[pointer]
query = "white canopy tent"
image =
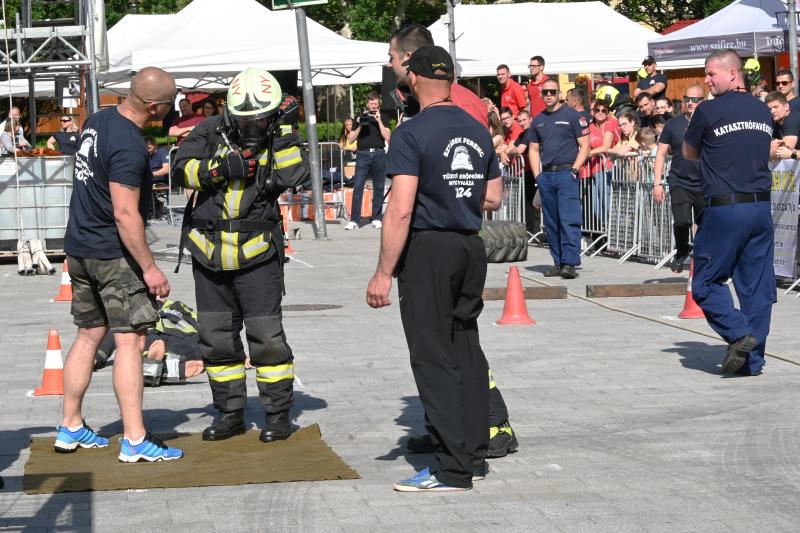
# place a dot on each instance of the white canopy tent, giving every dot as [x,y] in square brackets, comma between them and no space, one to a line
[747,26]
[563,33]
[205,42]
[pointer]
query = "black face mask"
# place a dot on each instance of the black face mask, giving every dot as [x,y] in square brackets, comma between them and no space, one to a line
[252,134]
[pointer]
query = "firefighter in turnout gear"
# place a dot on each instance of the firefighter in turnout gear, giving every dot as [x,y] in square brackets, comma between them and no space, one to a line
[238,163]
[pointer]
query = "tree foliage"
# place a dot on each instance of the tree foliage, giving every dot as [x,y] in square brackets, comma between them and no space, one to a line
[661,13]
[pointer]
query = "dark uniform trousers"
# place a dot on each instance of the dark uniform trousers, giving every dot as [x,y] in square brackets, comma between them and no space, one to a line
[683,202]
[561,207]
[251,297]
[737,241]
[440,284]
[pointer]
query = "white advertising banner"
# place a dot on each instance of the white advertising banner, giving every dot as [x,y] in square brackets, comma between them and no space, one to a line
[785,202]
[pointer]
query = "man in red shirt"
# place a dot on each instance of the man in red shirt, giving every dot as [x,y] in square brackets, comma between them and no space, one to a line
[511,130]
[512,95]
[538,77]
[186,123]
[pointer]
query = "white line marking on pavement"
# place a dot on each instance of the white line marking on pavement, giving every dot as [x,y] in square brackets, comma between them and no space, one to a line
[293,258]
[299,383]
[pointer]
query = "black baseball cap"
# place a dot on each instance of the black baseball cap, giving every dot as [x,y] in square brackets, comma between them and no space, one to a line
[431,61]
[649,60]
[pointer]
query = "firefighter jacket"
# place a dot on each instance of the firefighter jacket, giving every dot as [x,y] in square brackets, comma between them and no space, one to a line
[232,225]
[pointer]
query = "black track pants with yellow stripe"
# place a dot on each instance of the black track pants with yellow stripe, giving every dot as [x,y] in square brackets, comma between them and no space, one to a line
[250,297]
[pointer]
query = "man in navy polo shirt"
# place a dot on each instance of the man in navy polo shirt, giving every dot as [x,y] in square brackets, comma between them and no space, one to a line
[558,142]
[445,173]
[732,132]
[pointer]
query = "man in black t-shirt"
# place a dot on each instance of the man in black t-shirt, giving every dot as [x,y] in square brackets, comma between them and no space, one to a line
[654,84]
[735,238]
[115,279]
[686,196]
[785,127]
[646,105]
[371,132]
[445,172]
[558,145]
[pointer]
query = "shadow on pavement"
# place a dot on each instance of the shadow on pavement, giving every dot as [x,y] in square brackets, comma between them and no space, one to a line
[59,511]
[412,419]
[699,356]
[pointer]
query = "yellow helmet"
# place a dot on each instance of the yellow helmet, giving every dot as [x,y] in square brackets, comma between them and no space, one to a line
[752,65]
[607,94]
[254,94]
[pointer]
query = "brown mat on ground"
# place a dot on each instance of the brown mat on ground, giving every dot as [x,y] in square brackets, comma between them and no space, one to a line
[237,461]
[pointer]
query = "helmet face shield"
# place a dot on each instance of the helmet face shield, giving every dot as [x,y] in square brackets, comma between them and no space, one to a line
[252,133]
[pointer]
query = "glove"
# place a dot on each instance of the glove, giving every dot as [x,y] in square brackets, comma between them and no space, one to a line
[234,166]
[289,109]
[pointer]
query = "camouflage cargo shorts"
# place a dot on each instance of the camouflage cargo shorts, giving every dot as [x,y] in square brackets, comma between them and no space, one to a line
[110,292]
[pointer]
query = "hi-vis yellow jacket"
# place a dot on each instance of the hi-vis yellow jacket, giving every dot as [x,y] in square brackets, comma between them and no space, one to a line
[234,226]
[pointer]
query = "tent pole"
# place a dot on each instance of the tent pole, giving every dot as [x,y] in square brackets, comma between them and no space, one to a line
[350,90]
[320,229]
[793,41]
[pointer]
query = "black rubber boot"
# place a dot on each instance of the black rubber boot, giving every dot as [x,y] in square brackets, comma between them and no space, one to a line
[278,427]
[229,424]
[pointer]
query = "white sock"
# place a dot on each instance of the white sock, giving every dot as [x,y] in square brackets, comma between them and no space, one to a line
[74,429]
[137,441]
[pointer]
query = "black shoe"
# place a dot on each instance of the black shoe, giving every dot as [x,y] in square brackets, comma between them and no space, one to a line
[278,427]
[420,444]
[737,354]
[678,263]
[553,271]
[568,272]
[502,441]
[229,424]
[480,472]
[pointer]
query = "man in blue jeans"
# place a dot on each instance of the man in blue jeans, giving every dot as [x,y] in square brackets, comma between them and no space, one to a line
[371,133]
[558,142]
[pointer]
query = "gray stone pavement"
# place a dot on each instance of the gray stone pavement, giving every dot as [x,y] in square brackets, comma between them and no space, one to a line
[625,424]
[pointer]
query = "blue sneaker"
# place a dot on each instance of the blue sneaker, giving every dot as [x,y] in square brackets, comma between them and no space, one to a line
[150,449]
[68,441]
[424,481]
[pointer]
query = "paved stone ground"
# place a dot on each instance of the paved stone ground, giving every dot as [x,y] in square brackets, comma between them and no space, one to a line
[625,424]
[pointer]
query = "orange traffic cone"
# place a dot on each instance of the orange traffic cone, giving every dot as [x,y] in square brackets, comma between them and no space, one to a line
[53,379]
[515,312]
[690,307]
[65,291]
[288,249]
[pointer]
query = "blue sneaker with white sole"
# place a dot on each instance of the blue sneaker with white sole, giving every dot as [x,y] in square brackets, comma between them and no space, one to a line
[150,449]
[68,441]
[424,481]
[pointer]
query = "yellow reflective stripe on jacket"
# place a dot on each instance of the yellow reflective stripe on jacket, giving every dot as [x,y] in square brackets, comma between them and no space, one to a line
[273,374]
[286,158]
[225,373]
[205,246]
[229,253]
[254,246]
[286,129]
[492,384]
[191,175]
[233,199]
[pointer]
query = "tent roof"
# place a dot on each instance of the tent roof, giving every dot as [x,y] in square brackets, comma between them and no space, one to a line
[203,40]
[747,26]
[489,35]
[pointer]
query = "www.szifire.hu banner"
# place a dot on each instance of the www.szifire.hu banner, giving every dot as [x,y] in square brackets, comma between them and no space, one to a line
[785,202]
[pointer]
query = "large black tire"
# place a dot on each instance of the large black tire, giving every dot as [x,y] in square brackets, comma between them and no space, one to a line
[504,241]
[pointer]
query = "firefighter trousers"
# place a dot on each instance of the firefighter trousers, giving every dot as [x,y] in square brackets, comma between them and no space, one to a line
[249,297]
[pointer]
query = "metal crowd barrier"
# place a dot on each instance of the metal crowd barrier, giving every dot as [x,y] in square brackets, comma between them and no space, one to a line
[331,157]
[595,195]
[512,204]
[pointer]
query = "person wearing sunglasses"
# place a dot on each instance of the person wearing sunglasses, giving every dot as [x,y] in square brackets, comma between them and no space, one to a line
[67,138]
[603,133]
[686,196]
[654,84]
[538,77]
[115,280]
[731,136]
[558,145]
[784,84]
